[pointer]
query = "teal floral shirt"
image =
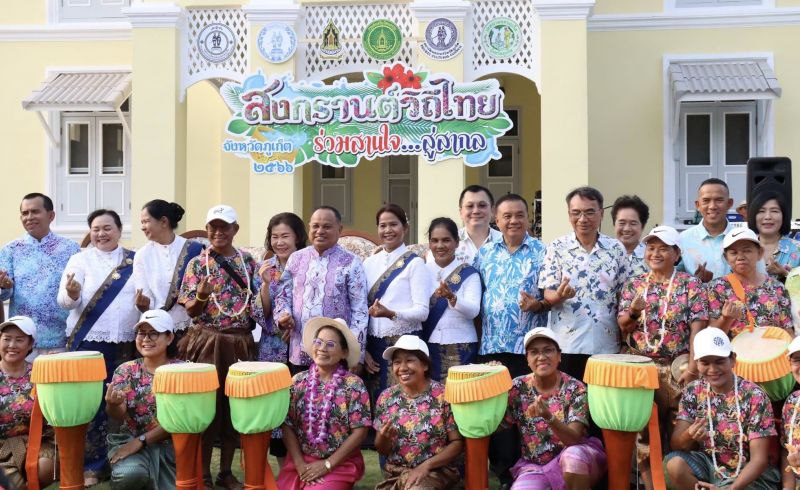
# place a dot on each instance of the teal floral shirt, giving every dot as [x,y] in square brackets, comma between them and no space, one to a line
[787,255]
[16,404]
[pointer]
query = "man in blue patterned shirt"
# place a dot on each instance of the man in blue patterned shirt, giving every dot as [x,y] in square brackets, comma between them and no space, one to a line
[30,272]
[512,305]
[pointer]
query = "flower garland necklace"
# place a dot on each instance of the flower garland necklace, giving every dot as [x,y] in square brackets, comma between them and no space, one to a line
[319,434]
[213,295]
[740,453]
[663,330]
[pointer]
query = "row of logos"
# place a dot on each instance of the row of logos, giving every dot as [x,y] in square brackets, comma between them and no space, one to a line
[382,40]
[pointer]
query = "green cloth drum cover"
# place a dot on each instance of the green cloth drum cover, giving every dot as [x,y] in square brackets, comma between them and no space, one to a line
[261,413]
[189,413]
[69,404]
[779,389]
[623,409]
[481,418]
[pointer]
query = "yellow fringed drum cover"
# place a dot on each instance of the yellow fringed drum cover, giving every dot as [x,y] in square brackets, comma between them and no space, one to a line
[185,378]
[475,382]
[761,354]
[251,379]
[621,371]
[69,367]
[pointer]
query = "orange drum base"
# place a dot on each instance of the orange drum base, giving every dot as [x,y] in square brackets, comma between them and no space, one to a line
[477,465]
[255,449]
[188,461]
[71,444]
[619,448]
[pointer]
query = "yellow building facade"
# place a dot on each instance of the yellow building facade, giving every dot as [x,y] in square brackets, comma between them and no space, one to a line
[110,104]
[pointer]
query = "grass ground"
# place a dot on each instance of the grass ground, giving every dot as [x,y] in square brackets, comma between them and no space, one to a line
[371,477]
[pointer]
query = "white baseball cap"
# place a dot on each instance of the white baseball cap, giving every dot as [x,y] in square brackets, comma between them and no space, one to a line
[739,234]
[711,341]
[223,212]
[794,346]
[23,323]
[409,343]
[158,319]
[666,234]
[540,332]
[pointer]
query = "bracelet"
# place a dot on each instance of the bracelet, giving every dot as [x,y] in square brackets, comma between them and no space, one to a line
[202,300]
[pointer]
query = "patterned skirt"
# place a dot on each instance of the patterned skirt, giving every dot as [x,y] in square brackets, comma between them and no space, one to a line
[445,356]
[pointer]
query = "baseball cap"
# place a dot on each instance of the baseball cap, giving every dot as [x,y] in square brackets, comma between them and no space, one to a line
[409,343]
[540,332]
[739,234]
[711,341]
[23,323]
[223,212]
[794,346]
[158,319]
[666,234]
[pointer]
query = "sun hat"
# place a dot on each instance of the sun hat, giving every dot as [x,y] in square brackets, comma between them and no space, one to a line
[711,341]
[666,234]
[540,332]
[23,323]
[158,319]
[313,325]
[407,342]
[222,212]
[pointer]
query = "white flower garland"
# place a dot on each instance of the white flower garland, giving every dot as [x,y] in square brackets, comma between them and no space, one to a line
[717,469]
[663,330]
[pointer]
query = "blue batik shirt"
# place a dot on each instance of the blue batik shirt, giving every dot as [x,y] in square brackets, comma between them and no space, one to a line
[698,247]
[504,275]
[36,267]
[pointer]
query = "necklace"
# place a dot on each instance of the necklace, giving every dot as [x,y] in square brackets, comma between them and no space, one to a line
[246,301]
[663,313]
[319,434]
[721,471]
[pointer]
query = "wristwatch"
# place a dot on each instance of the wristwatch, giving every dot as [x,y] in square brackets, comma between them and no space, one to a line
[143,440]
[328,465]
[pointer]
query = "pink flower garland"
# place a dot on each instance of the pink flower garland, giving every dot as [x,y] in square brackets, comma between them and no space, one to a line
[320,416]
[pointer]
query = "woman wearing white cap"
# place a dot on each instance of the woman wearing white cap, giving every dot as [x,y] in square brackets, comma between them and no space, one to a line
[746,298]
[141,452]
[16,403]
[791,424]
[660,311]
[219,292]
[725,423]
[329,412]
[416,431]
[551,409]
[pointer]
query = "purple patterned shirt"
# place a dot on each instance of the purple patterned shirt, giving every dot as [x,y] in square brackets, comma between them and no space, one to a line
[332,284]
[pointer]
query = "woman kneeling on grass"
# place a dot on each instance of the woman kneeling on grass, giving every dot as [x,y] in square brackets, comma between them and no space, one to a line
[329,413]
[415,426]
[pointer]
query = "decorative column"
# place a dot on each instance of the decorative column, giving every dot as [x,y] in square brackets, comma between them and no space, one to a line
[563,83]
[271,194]
[439,184]
[158,166]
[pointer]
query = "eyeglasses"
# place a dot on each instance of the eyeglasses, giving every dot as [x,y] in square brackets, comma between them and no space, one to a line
[547,352]
[588,214]
[329,344]
[152,335]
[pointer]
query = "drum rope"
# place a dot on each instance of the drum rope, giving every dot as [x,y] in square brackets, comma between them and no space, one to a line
[740,454]
[246,301]
[663,329]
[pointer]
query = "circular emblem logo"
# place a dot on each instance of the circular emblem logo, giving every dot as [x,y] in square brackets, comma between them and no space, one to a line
[382,39]
[277,42]
[216,43]
[441,39]
[501,37]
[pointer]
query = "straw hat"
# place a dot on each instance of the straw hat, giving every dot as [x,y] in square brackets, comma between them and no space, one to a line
[313,326]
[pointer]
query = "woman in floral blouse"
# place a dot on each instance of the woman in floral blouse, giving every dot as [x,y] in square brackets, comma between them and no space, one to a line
[725,423]
[16,342]
[329,413]
[141,453]
[746,298]
[415,427]
[791,424]
[766,218]
[551,409]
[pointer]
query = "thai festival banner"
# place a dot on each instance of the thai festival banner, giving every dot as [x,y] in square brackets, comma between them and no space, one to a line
[279,124]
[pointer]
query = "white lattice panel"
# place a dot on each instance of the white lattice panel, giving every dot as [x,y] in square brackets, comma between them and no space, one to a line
[196,66]
[351,20]
[524,61]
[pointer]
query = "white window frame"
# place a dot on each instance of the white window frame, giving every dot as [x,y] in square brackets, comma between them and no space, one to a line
[765,136]
[515,142]
[346,183]
[55,11]
[412,176]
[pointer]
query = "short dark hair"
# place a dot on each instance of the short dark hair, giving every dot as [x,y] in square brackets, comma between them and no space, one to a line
[100,212]
[332,209]
[46,201]
[420,355]
[714,181]
[292,221]
[631,202]
[395,210]
[159,208]
[586,192]
[758,201]
[475,188]
[511,197]
[445,223]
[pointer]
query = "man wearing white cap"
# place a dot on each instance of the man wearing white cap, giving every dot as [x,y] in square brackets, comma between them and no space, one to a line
[219,292]
[791,424]
[725,423]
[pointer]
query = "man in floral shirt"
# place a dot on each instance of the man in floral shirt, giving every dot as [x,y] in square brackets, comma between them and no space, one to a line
[725,423]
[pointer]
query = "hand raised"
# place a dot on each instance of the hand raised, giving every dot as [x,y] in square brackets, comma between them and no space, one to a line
[114,397]
[72,286]
[703,274]
[528,302]
[204,287]
[732,309]
[5,281]
[638,304]
[564,290]
[142,301]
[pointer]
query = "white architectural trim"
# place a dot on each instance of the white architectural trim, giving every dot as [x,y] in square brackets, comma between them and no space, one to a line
[690,18]
[670,167]
[563,10]
[150,15]
[455,10]
[672,5]
[272,11]
[84,31]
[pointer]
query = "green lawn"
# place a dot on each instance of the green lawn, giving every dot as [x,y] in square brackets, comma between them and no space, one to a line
[371,477]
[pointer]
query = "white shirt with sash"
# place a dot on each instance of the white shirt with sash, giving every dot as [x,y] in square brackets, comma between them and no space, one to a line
[408,294]
[153,269]
[456,324]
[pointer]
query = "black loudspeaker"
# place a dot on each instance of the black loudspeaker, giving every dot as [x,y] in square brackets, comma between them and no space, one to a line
[770,174]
